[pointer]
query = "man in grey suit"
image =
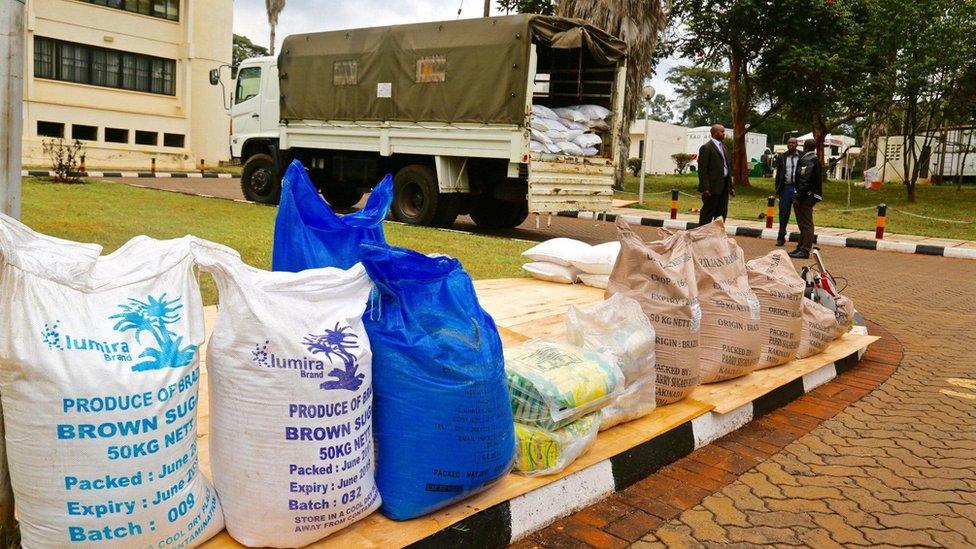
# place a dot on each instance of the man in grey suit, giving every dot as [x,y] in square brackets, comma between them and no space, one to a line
[714,177]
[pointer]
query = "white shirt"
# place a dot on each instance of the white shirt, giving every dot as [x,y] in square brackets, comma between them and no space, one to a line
[721,150]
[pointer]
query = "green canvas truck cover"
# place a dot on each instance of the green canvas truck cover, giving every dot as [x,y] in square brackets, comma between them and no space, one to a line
[468,70]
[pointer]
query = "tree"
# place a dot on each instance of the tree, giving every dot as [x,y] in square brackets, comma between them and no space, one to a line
[545,7]
[841,70]
[660,109]
[639,23]
[273,7]
[730,32]
[244,48]
[702,94]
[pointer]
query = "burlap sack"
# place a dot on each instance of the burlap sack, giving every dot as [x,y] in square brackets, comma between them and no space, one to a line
[780,292]
[844,314]
[819,327]
[661,277]
[730,340]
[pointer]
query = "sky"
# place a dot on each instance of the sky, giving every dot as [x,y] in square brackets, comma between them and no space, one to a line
[301,16]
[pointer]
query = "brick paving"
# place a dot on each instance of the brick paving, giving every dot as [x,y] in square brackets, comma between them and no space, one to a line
[884,455]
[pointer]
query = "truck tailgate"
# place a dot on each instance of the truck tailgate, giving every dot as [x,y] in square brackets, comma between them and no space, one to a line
[570,183]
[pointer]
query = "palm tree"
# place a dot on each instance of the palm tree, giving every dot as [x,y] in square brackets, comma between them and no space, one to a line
[274,8]
[639,23]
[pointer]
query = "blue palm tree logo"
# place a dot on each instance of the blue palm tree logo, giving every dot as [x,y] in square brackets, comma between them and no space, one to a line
[153,315]
[337,342]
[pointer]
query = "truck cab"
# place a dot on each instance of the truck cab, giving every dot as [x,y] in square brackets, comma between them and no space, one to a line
[254,127]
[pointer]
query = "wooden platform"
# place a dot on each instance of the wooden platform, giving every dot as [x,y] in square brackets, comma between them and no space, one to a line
[526,308]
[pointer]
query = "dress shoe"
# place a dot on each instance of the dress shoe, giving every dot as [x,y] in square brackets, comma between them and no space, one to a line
[780,242]
[799,254]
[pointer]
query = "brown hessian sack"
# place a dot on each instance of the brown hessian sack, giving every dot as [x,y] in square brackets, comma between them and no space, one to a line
[661,277]
[730,339]
[780,292]
[819,327]
[844,314]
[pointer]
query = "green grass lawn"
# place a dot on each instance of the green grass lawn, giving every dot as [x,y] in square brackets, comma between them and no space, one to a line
[111,213]
[942,201]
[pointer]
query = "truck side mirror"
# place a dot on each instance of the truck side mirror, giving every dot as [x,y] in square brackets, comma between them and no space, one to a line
[214,77]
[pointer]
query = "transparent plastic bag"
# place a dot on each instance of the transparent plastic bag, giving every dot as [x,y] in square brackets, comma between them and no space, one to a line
[619,328]
[553,383]
[543,452]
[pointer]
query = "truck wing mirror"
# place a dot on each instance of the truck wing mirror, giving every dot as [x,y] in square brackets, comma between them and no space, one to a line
[214,77]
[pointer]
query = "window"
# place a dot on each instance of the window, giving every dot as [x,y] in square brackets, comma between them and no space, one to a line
[345,73]
[164,9]
[248,84]
[116,135]
[50,129]
[173,140]
[146,138]
[84,64]
[84,133]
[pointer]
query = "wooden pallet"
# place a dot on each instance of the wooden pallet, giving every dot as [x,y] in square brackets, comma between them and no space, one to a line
[523,309]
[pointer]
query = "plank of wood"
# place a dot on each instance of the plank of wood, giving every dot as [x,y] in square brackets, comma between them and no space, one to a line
[728,395]
[379,531]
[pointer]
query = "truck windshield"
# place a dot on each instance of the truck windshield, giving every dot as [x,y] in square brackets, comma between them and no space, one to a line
[248,84]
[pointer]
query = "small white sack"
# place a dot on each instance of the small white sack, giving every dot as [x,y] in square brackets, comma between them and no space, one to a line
[599,125]
[584,126]
[290,400]
[594,281]
[543,111]
[570,114]
[588,140]
[598,259]
[561,251]
[590,151]
[570,148]
[619,328]
[552,272]
[540,136]
[99,378]
[553,148]
[593,112]
[537,147]
[546,124]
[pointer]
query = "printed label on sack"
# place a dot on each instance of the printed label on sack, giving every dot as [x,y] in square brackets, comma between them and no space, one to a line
[696,315]
[141,477]
[754,307]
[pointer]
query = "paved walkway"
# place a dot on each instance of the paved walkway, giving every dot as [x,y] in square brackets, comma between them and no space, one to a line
[897,467]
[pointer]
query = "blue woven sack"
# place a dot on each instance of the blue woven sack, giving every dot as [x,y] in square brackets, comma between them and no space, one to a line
[309,235]
[442,419]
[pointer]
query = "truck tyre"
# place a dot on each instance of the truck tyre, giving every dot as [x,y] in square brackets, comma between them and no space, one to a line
[492,213]
[418,201]
[260,181]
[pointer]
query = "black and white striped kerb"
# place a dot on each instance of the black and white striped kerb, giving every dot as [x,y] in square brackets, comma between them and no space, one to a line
[770,234]
[158,175]
[515,519]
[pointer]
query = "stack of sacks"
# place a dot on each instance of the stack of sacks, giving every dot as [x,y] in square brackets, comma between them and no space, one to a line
[618,327]
[552,260]
[730,337]
[660,276]
[568,130]
[596,263]
[553,385]
[818,330]
[780,292]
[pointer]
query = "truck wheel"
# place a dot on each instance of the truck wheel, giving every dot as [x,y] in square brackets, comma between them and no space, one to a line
[491,213]
[418,201]
[259,180]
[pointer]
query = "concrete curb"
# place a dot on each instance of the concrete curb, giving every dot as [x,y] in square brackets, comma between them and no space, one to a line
[770,234]
[157,175]
[512,520]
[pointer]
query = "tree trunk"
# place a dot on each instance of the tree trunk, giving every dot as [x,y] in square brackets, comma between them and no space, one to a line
[740,110]
[271,48]
[819,136]
[911,192]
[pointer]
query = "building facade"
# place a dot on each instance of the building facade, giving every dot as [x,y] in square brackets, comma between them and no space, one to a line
[129,79]
[663,140]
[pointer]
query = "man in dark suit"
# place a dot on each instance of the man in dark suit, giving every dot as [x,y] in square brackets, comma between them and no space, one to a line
[785,186]
[809,191]
[714,177]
